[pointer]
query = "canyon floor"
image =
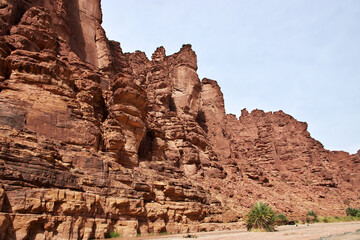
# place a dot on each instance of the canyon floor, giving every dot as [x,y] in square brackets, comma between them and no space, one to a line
[318,231]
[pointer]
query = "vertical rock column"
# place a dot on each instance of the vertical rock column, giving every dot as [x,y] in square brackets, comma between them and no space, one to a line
[124,129]
[186,83]
[212,117]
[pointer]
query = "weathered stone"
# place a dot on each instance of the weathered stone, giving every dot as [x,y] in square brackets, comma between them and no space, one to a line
[95,141]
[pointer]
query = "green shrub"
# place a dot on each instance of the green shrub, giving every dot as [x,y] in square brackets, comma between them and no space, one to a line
[354,212]
[311,217]
[261,216]
[338,219]
[113,235]
[281,219]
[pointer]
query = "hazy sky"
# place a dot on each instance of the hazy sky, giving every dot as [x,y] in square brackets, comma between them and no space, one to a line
[299,56]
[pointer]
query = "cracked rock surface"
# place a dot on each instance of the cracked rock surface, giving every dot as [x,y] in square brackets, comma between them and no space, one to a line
[95,141]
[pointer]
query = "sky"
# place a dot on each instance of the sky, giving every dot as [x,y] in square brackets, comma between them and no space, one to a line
[299,56]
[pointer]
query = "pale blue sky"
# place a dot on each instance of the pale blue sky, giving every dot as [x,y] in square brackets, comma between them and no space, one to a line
[300,56]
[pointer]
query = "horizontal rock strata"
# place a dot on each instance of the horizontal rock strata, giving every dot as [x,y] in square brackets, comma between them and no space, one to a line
[95,141]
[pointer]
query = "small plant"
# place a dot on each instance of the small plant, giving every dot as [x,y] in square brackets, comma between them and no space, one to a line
[281,219]
[353,212]
[262,217]
[330,219]
[113,235]
[311,217]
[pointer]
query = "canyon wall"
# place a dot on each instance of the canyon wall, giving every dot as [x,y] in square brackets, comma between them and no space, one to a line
[94,140]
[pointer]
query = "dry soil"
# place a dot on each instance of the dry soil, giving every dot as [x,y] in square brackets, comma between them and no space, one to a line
[318,231]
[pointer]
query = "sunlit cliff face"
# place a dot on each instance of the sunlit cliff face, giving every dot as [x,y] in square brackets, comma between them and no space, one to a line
[84,17]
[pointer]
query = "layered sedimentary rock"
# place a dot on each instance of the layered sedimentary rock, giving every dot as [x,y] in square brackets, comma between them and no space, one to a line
[94,140]
[284,166]
[85,149]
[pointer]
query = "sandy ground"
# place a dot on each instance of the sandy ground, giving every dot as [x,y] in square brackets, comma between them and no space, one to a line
[318,231]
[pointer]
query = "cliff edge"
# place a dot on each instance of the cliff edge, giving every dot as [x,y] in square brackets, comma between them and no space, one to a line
[94,140]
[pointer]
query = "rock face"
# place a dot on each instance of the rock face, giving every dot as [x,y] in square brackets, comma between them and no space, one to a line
[94,140]
[284,166]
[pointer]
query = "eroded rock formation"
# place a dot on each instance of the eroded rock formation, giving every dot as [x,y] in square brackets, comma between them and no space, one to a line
[94,140]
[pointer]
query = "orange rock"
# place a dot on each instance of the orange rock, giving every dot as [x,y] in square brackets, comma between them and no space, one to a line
[94,140]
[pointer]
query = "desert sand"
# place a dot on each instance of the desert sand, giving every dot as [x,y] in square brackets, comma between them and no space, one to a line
[318,231]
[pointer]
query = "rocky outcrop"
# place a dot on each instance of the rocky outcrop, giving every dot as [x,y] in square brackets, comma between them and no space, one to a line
[212,117]
[94,140]
[290,169]
[85,151]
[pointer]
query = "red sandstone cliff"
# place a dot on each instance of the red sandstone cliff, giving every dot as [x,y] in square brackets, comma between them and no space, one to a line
[94,140]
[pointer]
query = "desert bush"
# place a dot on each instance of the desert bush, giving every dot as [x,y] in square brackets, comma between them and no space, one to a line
[311,217]
[261,216]
[281,219]
[353,212]
[330,219]
[112,235]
